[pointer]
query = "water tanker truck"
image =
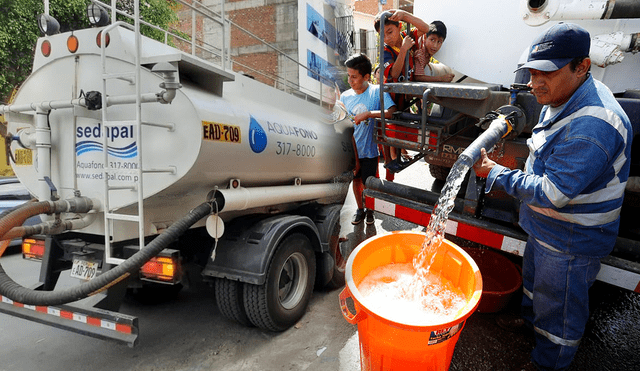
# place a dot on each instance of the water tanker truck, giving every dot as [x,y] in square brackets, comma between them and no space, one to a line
[486,41]
[144,161]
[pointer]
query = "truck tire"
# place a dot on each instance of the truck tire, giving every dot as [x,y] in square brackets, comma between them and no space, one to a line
[339,261]
[230,301]
[439,172]
[282,300]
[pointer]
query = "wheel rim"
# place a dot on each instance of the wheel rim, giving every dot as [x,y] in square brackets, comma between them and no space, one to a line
[292,281]
[339,261]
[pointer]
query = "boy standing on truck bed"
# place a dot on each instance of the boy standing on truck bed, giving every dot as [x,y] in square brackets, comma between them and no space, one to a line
[363,103]
[571,191]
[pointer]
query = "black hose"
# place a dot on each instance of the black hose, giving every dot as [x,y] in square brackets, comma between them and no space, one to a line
[16,292]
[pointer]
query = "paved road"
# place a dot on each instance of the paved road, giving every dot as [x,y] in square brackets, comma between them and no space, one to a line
[190,334]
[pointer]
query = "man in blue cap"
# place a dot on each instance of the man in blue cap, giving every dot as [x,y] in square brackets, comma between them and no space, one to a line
[571,190]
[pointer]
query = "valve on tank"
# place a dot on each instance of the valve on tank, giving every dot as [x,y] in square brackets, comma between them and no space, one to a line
[169,73]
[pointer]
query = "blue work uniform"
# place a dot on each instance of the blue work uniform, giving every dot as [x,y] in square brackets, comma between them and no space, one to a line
[571,191]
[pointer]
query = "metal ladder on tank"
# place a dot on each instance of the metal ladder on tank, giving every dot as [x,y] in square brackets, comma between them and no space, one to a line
[136,185]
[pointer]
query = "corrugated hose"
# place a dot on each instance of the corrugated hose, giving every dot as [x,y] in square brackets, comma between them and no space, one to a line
[16,292]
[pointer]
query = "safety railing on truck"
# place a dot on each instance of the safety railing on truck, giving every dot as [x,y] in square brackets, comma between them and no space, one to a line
[407,130]
[192,41]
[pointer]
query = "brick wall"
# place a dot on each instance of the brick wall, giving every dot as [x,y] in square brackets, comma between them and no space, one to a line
[264,62]
[260,21]
[371,6]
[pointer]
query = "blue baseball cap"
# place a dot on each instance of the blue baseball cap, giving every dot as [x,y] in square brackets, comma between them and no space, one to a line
[556,47]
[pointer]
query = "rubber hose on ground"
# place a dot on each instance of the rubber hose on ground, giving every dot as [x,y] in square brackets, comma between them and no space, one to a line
[16,292]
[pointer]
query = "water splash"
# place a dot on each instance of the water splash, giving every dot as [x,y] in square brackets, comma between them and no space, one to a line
[410,292]
[391,290]
[423,281]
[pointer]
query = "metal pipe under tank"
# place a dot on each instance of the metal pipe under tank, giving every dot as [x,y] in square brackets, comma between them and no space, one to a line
[539,12]
[240,198]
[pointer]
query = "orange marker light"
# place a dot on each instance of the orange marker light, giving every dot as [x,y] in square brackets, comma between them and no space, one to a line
[159,268]
[32,248]
[72,44]
[46,48]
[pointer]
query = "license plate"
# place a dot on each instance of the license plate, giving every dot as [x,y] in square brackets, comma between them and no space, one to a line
[84,270]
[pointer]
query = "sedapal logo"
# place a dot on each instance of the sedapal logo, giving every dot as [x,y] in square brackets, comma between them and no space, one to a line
[257,136]
[120,140]
[85,146]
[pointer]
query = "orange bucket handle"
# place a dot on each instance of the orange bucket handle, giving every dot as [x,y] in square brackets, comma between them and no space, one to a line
[346,313]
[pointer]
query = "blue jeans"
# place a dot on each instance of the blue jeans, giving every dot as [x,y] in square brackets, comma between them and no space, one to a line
[556,301]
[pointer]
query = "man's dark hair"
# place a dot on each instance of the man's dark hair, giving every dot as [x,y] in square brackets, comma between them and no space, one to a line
[360,63]
[575,62]
[376,22]
[438,28]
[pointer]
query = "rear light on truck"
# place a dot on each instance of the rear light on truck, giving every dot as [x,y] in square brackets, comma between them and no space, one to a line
[32,249]
[46,48]
[161,268]
[72,44]
[99,39]
[433,138]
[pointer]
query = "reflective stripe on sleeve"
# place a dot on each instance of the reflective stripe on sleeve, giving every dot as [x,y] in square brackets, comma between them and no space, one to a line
[585,219]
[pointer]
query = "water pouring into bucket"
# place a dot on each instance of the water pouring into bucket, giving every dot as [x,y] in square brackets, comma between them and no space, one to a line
[412,292]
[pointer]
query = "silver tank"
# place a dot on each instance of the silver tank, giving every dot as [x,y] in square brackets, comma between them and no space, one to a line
[224,126]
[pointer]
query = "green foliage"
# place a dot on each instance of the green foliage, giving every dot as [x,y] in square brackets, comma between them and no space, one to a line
[161,13]
[18,34]
[19,30]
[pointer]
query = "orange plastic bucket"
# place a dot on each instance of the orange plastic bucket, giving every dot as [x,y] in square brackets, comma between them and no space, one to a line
[391,345]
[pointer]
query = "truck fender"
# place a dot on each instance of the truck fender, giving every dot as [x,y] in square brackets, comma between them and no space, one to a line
[244,252]
[327,220]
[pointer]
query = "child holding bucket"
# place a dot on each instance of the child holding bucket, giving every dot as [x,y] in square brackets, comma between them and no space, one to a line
[363,103]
